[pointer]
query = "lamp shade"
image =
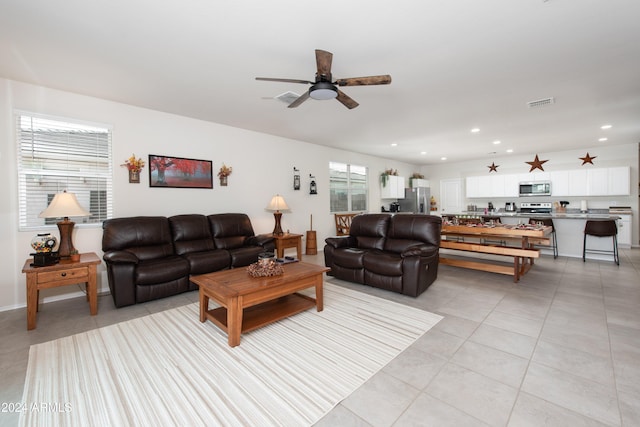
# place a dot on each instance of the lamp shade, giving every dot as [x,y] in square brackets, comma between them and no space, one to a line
[277,204]
[64,205]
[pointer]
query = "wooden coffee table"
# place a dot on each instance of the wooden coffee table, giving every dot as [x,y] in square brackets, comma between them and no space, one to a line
[248,303]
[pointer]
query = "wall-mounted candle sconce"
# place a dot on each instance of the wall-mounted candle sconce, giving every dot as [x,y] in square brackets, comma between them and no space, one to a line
[313,189]
[296,178]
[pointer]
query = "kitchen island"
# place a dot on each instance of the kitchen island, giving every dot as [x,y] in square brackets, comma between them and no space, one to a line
[569,230]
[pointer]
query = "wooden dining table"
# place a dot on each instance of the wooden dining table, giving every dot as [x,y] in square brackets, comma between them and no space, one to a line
[515,241]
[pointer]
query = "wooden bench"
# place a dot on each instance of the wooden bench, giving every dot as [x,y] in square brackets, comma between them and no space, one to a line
[522,250]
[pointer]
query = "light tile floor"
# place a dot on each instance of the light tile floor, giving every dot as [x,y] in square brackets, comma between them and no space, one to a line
[559,348]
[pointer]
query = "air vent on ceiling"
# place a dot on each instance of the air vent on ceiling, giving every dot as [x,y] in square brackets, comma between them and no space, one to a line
[541,102]
[288,97]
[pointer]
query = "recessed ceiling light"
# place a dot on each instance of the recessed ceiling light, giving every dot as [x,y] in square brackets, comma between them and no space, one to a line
[510,150]
[605,127]
[394,144]
[423,152]
[603,139]
[475,130]
[496,142]
[443,158]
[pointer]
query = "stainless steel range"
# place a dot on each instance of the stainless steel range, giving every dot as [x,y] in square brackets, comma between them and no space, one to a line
[531,207]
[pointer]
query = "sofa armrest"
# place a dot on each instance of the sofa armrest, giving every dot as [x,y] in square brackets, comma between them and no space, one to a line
[341,242]
[260,240]
[120,257]
[419,250]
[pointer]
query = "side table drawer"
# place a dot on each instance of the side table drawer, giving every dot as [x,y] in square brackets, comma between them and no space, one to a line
[81,274]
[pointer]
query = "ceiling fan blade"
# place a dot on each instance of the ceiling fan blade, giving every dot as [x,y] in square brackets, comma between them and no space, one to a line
[323,60]
[346,100]
[365,81]
[300,100]
[269,79]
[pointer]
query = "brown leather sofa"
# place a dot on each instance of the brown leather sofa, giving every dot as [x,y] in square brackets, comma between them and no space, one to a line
[399,253]
[152,257]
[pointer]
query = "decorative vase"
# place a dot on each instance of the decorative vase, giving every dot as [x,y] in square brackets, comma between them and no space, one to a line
[134,177]
[223,181]
[44,242]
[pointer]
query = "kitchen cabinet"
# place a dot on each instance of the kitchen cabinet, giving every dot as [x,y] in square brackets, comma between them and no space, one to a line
[418,182]
[485,186]
[624,231]
[559,183]
[511,185]
[577,182]
[394,189]
[619,181]
[597,182]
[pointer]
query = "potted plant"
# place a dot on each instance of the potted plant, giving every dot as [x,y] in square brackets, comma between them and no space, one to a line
[413,176]
[384,176]
[223,173]
[135,166]
[74,255]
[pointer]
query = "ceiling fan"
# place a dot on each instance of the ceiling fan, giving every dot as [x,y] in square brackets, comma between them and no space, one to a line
[324,88]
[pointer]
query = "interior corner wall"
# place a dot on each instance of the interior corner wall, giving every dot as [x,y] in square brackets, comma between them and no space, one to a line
[262,166]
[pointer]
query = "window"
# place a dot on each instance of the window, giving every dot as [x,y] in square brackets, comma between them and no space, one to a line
[348,188]
[56,155]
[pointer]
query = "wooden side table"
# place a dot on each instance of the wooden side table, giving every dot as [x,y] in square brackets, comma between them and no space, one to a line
[288,241]
[66,272]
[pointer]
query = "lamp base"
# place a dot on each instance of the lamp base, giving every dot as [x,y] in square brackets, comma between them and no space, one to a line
[66,245]
[277,230]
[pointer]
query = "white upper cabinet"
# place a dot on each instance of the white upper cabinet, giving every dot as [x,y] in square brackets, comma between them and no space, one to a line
[597,182]
[619,181]
[559,183]
[576,182]
[394,188]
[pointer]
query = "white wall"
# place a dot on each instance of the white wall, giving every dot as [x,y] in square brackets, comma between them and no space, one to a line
[606,156]
[262,166]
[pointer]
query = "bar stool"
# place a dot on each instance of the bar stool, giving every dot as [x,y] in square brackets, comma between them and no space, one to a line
[548,222]
[601,228]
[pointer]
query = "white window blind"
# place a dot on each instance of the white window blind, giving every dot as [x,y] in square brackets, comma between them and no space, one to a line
[56,155]
[348,187]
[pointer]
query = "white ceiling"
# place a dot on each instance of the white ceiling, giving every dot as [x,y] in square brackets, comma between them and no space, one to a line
[455,65]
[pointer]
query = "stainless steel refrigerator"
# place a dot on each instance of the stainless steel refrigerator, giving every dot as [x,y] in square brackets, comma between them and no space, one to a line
[416,200]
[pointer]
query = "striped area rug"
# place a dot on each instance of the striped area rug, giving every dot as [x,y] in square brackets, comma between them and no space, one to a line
[169,369]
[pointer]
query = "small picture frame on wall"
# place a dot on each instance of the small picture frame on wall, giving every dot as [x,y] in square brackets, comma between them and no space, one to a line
[179,172]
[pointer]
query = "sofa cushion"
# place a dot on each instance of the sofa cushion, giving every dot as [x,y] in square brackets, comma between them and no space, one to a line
[161,270]
[384,263]
[244,256]
[208,261]
[191,233]
[231,230]
[412,230]
[349,257]
[147,237]
[370,230]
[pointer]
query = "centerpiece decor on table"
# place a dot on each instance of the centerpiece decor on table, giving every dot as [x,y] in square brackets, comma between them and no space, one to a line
[223,174]
[134,166]
[265,268]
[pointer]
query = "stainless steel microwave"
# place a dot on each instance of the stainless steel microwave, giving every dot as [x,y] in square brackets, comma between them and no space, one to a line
[535,188]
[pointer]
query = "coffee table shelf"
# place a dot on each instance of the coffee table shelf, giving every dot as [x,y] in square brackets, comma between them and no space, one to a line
[262,314]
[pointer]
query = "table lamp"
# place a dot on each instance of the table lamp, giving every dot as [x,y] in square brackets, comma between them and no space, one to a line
[64,205]
[277,203]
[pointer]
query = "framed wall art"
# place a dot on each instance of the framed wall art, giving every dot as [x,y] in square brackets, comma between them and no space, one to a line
[178,172]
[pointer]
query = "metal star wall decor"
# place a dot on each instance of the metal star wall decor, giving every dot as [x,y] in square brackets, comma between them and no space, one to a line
[536,164]
[493,167]
[587,159]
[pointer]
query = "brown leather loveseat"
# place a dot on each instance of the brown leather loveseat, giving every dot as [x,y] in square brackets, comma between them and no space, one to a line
[393,252]
[151,257]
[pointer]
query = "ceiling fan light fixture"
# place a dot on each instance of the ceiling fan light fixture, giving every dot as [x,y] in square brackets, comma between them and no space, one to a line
[323,90]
